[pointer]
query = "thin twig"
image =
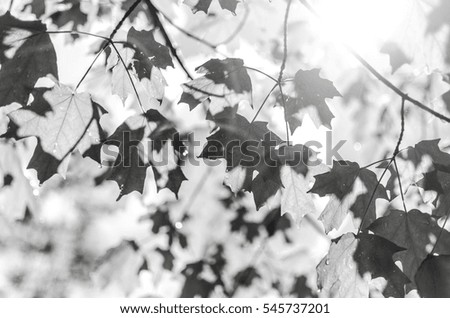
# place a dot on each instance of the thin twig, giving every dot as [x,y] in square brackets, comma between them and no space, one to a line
[283,65]
[380,77]
[10,5]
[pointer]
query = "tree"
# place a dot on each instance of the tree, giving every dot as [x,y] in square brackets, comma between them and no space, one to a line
[232,199]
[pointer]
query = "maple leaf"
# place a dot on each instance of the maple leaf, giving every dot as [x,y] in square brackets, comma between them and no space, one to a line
[340,182]
[263,190]
[226,83]
[397,57]
[72,15]
[71,125]
[428,148]
[175,178]
[136,140]
[433,277]
[295,179]
[294,197]
[203,5]
[130,167]
[310,90]
[232,133]
[122,76]
[249,146]
[354,260]
[35,57]
[412,231]
[37,7]
[46,165]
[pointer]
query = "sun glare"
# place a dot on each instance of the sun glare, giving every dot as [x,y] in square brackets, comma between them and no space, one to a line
[362,23]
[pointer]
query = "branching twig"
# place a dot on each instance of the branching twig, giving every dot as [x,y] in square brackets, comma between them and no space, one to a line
[380,77]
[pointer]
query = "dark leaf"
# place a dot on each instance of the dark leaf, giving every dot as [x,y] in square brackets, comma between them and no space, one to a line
[353,261]
[37,7]
[44,163]
[148,49]
[433,277]
[226,82]
[130,168]
[70,126]
[340,182]
[72,15]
